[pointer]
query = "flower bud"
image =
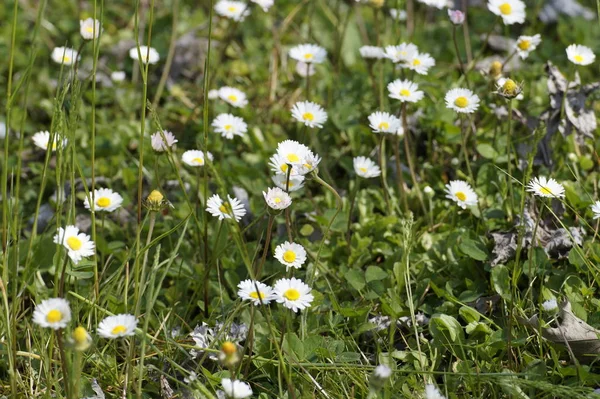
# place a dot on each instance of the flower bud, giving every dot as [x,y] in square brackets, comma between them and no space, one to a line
[457,17]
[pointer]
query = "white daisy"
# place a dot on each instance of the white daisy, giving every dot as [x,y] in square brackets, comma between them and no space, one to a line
[308,53]
[280,165]
[457,17]
[304,69]
[299,156]
[290,254]
[232,209]
[435,3]
[382,371]
[431,392]
[405,91]
[462,101]
[256,292]
[233,96]
[149,55]
[159,144]
[420,63]
[511,11]
[195,157]
[292,151]
[397,14]
[3,129]
[53,313]
[121,325]
[293,294]
[384,122]
[264,4]
[526,44]
[311,114]
[596,209]
[118,76]
[89,28]
[295,183]
[544,187]
[236,389]
[104,200]
[64,55]
[311,161]
[229,125]
[277,199]
[235,10]
[580,55]
[364,167]
[508,88]
[42,139]
[461,192]
[550,305]
[400,53]
[371,52]
[78,245]
[213,94]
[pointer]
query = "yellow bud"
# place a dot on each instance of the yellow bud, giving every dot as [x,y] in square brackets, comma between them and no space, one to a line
[496,68]
[377,3]
[510,87]
[81,338]
[228,348]
[155,196]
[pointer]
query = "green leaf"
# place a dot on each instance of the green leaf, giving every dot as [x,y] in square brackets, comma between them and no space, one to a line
[356,279]
[469,314]
[487,151]
[375,273]
[501,281]
[473,249]
[445,328]
[293,347]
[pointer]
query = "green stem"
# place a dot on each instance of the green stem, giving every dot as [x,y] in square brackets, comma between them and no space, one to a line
[460,62]
[508,155]
[399,173]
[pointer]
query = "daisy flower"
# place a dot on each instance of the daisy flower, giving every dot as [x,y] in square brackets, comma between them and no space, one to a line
[435,3]
[64,55]
[382,371]
[292,151]
[431,392]
[277,199]
[580,55]
[159,144]
[232,209]
[118,76]
[229,125]
[420,63]
[247,290]
[550,305]
[293,294]
[236,389]
[195,157]
[405,91]
[149,55]
[313,115]
[508,88]
[298,156]
[526,44]
[596,209]
[233,96]
[264,4]
[400,53]
[462,101]
[295,183]
[384,122]
[457,17]
[364,167]
[461,192]
[290,254]
[311,161]
[89,28]
[53,313]
[544,187]
[121,325]
[235,10]
[81,339]
[511,11]
[104,200]
[308,53]
[371,52]
[303,69]
[78,245]
[42,140]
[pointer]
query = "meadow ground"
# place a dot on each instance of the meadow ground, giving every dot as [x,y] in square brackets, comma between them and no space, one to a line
[305,199]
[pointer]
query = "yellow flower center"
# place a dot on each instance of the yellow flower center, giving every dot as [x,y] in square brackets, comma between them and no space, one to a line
[308,56]
[405,92]
[461,196]
[231,9]
[223,208]
[257,295]
[364,170]
[74,243]
[54,316]
[509,86]
[232,98]
[578,58]
[284,168]
[545,191]
[54,145]
[307,116]
[80,335]
[289,256]
[103,202]
[496,68]
[292,294]
[416,62]
[461,102]
[383,125]
[293,158]
[228,348]
[155,196]
[118,329]
[199,161]
[524,44]
[277,200]
[90,29]
[505,9]
[227,127]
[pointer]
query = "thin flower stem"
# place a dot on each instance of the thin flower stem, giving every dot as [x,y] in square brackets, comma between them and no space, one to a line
[63,363]
[508,59]
[508,154]
[208,266]
[266,248]
[353,194]
[399,173]
[460,62]
[382,166]
[409,160]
